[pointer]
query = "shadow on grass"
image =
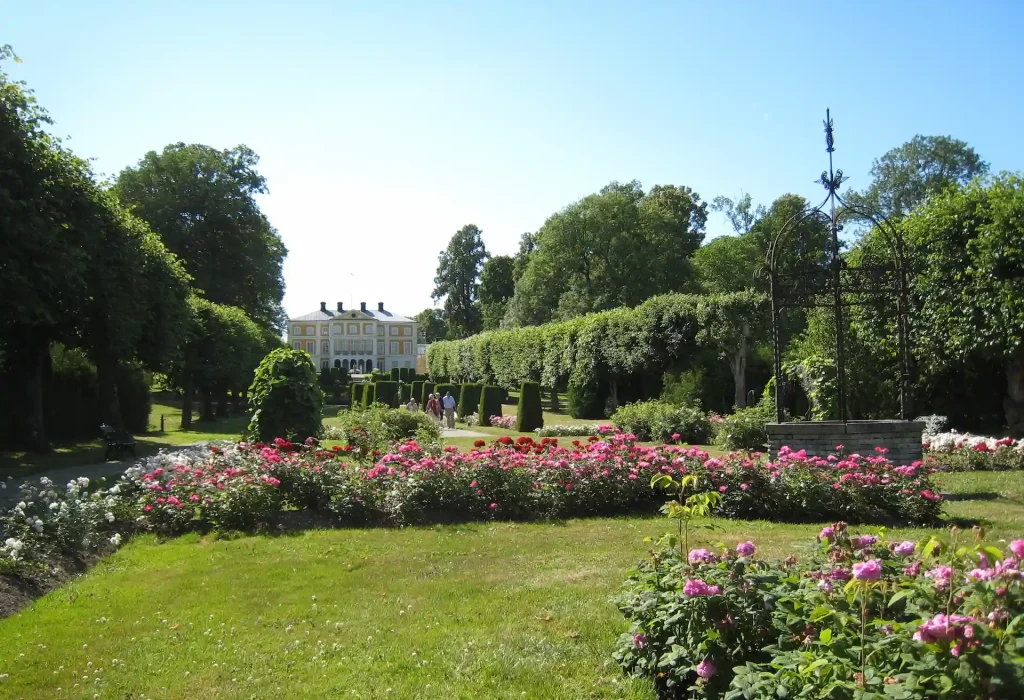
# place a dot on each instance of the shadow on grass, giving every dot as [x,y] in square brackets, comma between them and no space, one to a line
[972,496]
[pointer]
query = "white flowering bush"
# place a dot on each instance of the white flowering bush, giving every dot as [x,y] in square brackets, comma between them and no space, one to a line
[580,430]
[967,452]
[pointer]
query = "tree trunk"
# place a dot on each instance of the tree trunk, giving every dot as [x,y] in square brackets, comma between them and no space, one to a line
[110,404]
[1013,403]
[555,405]
[187,395]
[613,389]
[222,404]
[206,412]
[738,365]
[29,370]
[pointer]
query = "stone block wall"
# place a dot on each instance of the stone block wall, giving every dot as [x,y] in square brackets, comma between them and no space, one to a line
[902,438]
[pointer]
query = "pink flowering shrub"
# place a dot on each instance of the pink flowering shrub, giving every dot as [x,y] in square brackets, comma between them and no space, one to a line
[965,452]
[506,422]
[862,617]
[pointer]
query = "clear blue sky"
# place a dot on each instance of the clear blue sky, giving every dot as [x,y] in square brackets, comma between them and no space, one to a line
[384,126]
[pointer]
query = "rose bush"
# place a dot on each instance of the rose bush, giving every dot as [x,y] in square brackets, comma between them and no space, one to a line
[250,486]
[966,452]
[861,618]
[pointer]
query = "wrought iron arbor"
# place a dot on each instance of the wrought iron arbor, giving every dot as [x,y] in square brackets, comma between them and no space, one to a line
[832,282]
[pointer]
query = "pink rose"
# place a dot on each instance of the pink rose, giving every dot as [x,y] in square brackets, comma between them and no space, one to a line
[869,570]
[706,669]
[1017,547]
[746,549]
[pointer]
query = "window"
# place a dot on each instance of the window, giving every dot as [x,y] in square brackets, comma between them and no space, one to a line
[353,329]
[323,365]
[296,330]
[296,345]
[323,330]
[336,329]
[310,330]
[380,347]
[368,347]
[309,346]
[367,329]
[394,348]
[337,364]
[337,346]
[325,348]
[369,365]
[380,330]
[407,330]
[406,347]
[408,363]
[394,330]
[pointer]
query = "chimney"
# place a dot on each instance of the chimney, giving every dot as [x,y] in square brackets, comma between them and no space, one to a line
[380,306]
[323,306]
[341,307]
[362,306]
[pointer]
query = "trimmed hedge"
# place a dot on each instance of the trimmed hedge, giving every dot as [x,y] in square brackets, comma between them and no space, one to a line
[396,374]
[531,414]
[665,331]
[425,392]
[406,392]
[285,398]
[369,394]
[417,390]
[357,389]
[469,399]
[386,392]
[490,403]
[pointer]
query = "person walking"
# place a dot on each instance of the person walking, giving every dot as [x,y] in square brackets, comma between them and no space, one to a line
[449,409]
[434,408]
[412,405]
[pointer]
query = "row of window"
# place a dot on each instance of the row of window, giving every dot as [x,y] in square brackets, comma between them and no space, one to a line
[358,365]
[351,329]
[354,347]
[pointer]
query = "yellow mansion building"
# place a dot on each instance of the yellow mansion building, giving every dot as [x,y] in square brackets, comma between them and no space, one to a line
[358,340]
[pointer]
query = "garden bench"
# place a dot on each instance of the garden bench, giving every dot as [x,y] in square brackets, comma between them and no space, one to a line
[118,442]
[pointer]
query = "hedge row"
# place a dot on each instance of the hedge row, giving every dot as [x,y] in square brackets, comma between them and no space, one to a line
[582,352]
[490,403]
[531,414]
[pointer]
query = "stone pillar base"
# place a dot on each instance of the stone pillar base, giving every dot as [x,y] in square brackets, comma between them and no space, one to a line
[820,438]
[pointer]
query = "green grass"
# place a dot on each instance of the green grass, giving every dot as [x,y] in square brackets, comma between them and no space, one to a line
[473,611]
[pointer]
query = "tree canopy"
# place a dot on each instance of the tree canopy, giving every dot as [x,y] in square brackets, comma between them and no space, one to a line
[457,281]
[201,201]
[497,285]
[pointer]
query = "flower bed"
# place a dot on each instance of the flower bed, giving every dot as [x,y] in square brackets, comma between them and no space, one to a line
[862,618]
[575,430]
[966,452]
[506,422]
[248,487]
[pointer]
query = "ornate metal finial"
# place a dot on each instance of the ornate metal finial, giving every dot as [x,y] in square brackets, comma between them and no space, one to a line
[830,143]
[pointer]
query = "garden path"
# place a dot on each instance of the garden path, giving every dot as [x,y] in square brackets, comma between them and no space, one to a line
[460,433]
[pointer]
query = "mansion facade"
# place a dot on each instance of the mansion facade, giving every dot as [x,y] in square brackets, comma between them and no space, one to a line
[359,340]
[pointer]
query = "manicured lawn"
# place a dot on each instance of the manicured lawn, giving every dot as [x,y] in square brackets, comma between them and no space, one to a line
[472,611]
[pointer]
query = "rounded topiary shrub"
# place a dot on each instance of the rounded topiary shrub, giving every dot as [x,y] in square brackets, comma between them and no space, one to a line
[490,403]
[428,389]
[285,397]
[531,414]
[469,399]
[386,393]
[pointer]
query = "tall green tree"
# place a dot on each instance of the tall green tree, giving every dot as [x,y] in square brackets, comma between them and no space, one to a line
[906,176]
[496,287]
[201,201]
[970,284]
[457,281]
[729,264]
[617,247]
[431,326]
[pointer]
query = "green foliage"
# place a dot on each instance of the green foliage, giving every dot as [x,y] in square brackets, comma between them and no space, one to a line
[417,391]
[490,403]
[663,332]
[497,287]
[374,430]
[377,375]
[202,201]
[530,415]
[395,374]
[614,248]
[818,378]
[357,389]
[430,325]
[386,393]
[584,401]
[729,264]
[406,390]
[469,399]
[456,282]
[285,398]
[369,394]
[663,422]
[428,389]
[744,429]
